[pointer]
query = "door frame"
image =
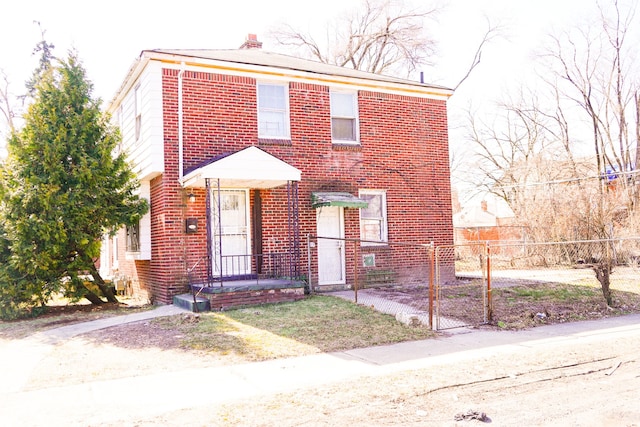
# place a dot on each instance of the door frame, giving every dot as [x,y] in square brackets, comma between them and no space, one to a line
[341,235]
[216,242]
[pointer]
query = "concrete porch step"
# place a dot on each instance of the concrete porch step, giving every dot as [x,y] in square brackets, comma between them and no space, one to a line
[186,301]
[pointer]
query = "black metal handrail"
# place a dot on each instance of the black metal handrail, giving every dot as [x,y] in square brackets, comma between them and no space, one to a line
[274,265]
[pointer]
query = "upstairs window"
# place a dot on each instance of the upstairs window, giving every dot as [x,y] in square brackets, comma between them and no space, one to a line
[344,117]
[373,218]
[273,111]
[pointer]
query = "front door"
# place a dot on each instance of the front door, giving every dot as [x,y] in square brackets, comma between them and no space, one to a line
[331,257]
[230,233]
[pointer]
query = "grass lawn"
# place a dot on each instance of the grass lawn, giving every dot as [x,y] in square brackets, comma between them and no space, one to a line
[316,324]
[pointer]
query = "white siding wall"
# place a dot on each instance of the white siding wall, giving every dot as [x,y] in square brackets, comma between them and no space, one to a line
[145,226]
[105,258]
[147,152]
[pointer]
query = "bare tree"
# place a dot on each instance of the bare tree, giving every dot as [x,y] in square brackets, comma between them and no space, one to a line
[381,36]
[587,93]
[6,103]
[11,105]
[491,33]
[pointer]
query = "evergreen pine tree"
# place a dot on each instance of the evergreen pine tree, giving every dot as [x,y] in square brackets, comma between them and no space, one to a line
[62,189]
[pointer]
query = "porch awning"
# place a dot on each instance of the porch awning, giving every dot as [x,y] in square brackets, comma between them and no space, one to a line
[346,200]
[248,168]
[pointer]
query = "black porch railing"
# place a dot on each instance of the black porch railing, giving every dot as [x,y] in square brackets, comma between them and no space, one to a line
[256,267]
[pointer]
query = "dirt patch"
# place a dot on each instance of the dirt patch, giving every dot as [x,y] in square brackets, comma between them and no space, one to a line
[576,383]
[155,345]
[129,350]
[515,307]
[586,383]
[58,315]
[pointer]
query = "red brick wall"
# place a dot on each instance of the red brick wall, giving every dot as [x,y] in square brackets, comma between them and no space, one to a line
[226,300]
[403,150]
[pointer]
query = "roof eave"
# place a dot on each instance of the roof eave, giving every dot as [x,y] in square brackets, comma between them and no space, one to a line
[271,71]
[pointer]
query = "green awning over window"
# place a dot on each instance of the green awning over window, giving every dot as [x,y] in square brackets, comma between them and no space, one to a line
[346,200]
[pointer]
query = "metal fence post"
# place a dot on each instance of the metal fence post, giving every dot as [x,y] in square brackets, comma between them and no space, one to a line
[431,282]
[355,269]
[488,311]
[309,263]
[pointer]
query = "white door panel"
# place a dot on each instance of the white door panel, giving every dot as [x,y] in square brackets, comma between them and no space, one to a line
[331,256]
[230,232]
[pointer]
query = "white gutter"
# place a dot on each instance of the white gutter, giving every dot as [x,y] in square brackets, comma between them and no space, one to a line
[283,73]
[180,119]
[132,76]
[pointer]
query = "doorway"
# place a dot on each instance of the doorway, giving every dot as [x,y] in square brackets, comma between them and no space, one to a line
[331,252]
[230,233]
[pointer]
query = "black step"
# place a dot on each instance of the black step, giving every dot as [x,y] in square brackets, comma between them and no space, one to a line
[186,301]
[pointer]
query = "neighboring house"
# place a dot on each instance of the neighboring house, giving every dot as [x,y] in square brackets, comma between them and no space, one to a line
[479,223]
[243,154]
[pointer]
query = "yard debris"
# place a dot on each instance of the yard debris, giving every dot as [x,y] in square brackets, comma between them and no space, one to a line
[612,370]
[410,319]
[190,318]
[471,414]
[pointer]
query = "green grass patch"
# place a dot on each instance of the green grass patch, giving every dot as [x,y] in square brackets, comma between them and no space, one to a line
[316,324]
[560,292]
[525,306]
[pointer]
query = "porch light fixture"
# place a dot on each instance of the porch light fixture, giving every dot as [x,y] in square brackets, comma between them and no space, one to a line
[191,197]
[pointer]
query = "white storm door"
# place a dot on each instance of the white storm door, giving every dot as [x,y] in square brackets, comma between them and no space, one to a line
[230,232]
[331,257]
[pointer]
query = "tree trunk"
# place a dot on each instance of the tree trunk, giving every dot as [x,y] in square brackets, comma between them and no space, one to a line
[107,291]
[603,273]
[93,298]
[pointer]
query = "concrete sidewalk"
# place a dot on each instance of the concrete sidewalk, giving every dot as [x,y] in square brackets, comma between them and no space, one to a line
[147,396]
[402,312]
[23,355]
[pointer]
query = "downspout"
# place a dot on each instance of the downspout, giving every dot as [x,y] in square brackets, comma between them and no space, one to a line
[180,123]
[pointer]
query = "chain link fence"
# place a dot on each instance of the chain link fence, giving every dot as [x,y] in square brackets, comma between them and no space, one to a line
[414,282]
[568,276]
[463,301]
[449,287]
[566,262]
[393,278]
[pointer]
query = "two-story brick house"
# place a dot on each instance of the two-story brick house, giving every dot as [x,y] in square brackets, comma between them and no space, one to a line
[243,154]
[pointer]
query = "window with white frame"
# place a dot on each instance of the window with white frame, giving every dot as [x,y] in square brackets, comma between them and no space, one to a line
[137,110]
[133,237]
[273,111]
[373,218]
[344,117]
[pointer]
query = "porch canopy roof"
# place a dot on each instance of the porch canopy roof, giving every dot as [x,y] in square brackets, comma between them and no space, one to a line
[247,168]
[346,200]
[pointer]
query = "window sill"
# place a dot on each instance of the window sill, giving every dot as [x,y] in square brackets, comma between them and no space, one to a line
[136,256]
[372,245]
[274,141]
[346,146]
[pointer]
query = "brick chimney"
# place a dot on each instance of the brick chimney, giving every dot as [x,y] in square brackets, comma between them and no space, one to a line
[251,42]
